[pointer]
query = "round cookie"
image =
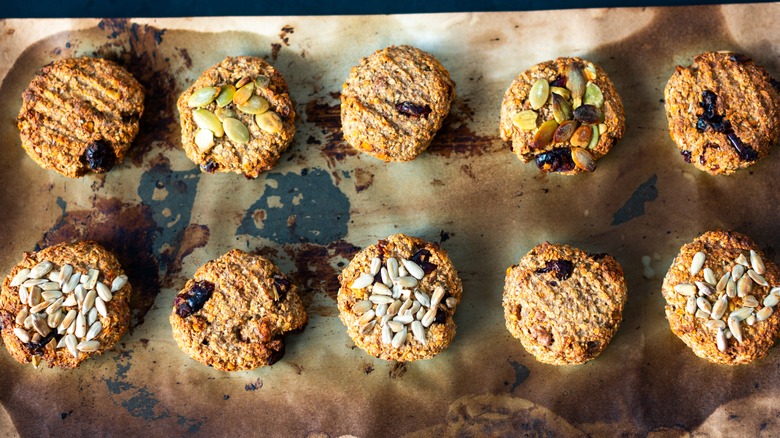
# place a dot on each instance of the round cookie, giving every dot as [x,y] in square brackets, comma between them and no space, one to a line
[237,117]
[723,112]
[398,298]
[722,320]
[563,114]
[64,304]
[80,115]
[233,314]
[563,303]
[394,102]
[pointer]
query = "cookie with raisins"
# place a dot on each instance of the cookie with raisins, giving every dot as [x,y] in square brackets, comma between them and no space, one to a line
[563,303]
[723,112]
[235,311]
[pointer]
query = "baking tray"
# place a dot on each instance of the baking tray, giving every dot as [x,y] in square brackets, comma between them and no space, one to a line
[324,202]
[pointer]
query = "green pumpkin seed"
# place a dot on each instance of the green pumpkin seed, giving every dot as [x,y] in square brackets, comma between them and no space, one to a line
[236,130]
[575,81]
[593,95]
[202,97]
[262,81]
[594,139]
[561,109]
[525,120]
[244,93]
[590,71]
[564,93]
[255,105]
[539,93]
[224,113]
[204,139]
[269,122]
[583,159]
[226,95]
[205,119]
[544,135]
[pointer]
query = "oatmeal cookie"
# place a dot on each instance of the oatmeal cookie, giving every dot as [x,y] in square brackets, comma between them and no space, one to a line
[234,313]
[394,102]
[237,117]
[720,298]
[64,304]
[563,114]
[723,112]
[80,115]
[398,298]
[563,303]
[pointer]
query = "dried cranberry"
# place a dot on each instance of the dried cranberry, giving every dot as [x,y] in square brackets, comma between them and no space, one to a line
[421,257]
[441,317]
[36,348]
[739,58]
[282,285]
[559,81]
[556,160]
[209,166]
[413,110]
[562,269]
[194,299]
[686,156]
[746,153]
[99,156]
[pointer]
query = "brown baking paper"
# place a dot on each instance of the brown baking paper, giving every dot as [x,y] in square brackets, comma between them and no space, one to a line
[163,218]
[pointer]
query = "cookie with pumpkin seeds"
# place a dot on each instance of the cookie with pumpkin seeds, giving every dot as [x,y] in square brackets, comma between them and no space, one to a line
[237,117]
[563,114]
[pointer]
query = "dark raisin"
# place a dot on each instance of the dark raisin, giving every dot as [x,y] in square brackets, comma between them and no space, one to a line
[282,286]
[99,156]
[193,300]
[209,166]
[702,124]
[745,152]
[413,110]
[559,81]
[593,347]
[739,58]
[588,114]
[562,269]
[719,124]
[556,160]
[709,101]
[441,317]
[686,156]
[276,355]
[36,348]
[421,257]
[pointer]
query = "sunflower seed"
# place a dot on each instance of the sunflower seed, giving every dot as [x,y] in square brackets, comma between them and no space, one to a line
[405,306]
[204,140]
[415,307]
[395,326]
[81,325]
[702,314]
[89,301]
[404,319]
[376,265]
[406,281]
[414,269]
[741,314]
[100,306]
[83,278]
[363,281]
[392,267]
[92,278]
[397,291]
[704,305]
[381,289]
[61,343]
[720,307]
[751,319]
[380,299]
[202,97]
[22,334]
[385,277]
[721,340]
[737,271]
[735,328]
[387,335]
[28,322]
[539,93]
[235,130]
[40,326]
[54,276]
[438,294]
[764,313]
[750,301]
[593,95]
[36,337]
[103,291]
[709,277]
[269,122]
[24,295]
[399,338]
[715,324]
[73,281]
[744,286]
[757,263]
[34,282]
[119,282]
[366,329]
[67,321]
[525,120]
[362,307]
[686,289]
[51,294]
[771,300]
[20,277]
[704,288]
[429,316]
[755,276]
[742,260]
[54,319]
[92,316]
[422,297]
[419,331]
[21,316]
[690,305]
[34,296]
[402,272]
[70,301]
[54,306]
[721,286]
[71,342]
[205,119]
[40,307]
[420,313]
[451,302]
[381,310]
[697,263]
[88,346]
[731,288]
[393,308]
[72,327]
[40,269]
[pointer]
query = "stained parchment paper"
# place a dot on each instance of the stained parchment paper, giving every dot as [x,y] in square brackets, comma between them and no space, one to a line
[323,202]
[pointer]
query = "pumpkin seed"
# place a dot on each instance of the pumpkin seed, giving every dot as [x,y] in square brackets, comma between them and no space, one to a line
[590,71]
[224,113]
[525,120]
[602,128]
[561,109]
[243,81]
[589,114]
[244,93]
[255,105]
[207,120]
[575,82]
[225,95]
[583,159]
[236,130]
[544,135]
[582,136]
[565,131]
[594,139]
[560,91]
[593,95]
[269,122]
[262,81]
[204,139]
[540,91]
[202,97]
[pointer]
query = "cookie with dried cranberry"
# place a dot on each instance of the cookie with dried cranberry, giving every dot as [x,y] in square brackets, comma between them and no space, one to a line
[80,115]
[398,297]
[723,112]
[563,114]
[563,303]
[721,298]
[394,102]
[64,304]
[237,117]
[235,311]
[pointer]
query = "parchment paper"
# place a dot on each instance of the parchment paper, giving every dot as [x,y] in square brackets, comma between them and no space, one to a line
[324,202]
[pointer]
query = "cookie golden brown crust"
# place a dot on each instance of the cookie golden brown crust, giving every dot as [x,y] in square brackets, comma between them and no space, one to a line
[563,303]
[259,129]
[404,310]
[723,112]
[80,115]
[82,257]
[233,314]
[563,114]
[394,102]
[693,290]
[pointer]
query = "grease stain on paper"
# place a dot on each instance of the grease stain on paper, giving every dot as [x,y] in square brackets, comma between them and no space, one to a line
[635,206]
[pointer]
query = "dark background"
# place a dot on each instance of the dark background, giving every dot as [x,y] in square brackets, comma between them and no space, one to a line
[152,8]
